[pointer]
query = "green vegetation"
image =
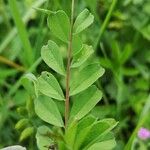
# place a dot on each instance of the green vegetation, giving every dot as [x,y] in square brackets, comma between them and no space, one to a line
[74,75]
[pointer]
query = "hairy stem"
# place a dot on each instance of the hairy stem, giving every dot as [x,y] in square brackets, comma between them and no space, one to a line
[67,105]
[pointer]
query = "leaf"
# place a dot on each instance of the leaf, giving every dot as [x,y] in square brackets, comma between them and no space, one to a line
[106,63]
[22,123]
[70,133]
[4,73]
[26,133]
[104,145]
[130,71]
[29,82]
[47,110]
[62,146]
[48,85]
[99,130]
[41,138]
[85,101]
[82,56]
[83,20]
[51,55]
[146,32]
[115,50]
[14,147]
[83,129]
[76,44]
[126,54]
[59,25]
[87,76]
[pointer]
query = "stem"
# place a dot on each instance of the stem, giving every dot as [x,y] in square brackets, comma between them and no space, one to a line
[12,64]
[68,66]
[28,53]
[105,23]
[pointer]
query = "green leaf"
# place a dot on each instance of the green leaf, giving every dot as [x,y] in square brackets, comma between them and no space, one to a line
[62,146]
[51,55]
[126,54]
[146,31]
[4,73]
[104,145]
[82,56]
[59,25]
[115,50]
[99,130]
[87,76]
[85,101]
[22,123]
[70,133]
[106,63]
[83,129]
[83,20]
[130,71]
[76,44]
[47,110]
[29,83]
[48,85]
[42,140]
[26,133]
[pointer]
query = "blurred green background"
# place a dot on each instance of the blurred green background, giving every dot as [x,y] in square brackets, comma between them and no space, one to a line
[120,36]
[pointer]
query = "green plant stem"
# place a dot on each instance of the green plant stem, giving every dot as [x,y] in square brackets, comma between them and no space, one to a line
[28,52]
[67,104]
[12,64]
[105,23]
